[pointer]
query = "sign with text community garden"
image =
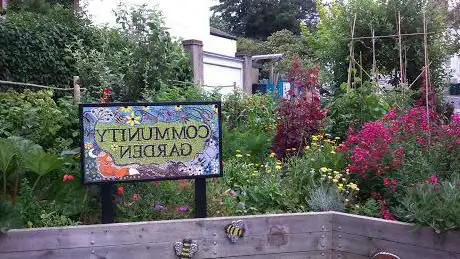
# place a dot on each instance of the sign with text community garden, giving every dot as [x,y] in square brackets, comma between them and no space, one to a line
[136,142]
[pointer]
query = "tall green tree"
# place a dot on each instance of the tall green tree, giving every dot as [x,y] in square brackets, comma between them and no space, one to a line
[330,42]
[260,18]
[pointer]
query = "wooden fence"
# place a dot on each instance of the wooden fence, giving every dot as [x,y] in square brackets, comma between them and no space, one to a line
[293,236]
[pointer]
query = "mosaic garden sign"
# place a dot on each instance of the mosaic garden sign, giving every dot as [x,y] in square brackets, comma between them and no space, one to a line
[123,142]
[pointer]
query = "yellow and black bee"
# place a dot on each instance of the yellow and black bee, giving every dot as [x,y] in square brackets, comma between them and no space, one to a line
[385,255]
[185,249]
[235,230]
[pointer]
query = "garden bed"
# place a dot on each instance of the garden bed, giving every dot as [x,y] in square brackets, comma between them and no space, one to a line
[303,235]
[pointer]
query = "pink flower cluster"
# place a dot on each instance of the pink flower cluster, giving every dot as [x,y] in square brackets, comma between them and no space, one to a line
[376,151]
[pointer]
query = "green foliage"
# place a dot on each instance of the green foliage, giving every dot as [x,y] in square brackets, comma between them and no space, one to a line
[33,45]
[433,205]
[259,19]
[353,108]
[9,216]
[283,41]
[330,45]
[37,117]
[248,125]
[40,213]
[257,188]
[370,208]
[252,142]
[138,59]
[325,198]
[153,201]
[181,94]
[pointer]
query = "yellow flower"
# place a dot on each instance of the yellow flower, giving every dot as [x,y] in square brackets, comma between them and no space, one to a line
[330,177]
[333,152]
[237,151]
[133,119]
[337,138]
[279,162]
[336,172]
[307,147]
[344,180]
[335,180]
[327,135]
[353,186]
[272,154]
[126,108]
[314,138]
[278,167]
[239,155]
[323,169]
[178,107]
[340,185]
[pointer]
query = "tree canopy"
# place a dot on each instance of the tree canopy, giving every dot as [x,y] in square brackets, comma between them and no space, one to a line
[330,42]
[260,18]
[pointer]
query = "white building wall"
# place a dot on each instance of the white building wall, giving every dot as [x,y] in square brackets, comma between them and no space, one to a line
[222,71]
[220,45]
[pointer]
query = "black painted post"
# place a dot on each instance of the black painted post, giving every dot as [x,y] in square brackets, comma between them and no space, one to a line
[108,212]
[200,198]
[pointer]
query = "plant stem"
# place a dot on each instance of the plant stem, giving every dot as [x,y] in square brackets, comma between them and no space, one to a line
[36,182]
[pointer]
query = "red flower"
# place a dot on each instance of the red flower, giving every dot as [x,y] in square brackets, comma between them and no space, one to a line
[68,177]
[434,179]
[135,197]
[386,181]
[120,190]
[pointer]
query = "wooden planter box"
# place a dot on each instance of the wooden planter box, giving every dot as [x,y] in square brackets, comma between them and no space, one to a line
[294,236]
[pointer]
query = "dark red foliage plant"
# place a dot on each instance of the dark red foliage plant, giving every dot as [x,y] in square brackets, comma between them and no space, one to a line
[299,116]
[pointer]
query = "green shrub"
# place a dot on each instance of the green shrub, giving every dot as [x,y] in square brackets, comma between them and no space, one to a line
[436,205]
[138,59]
[9,216]
[37,117]
[33,45]
[325,198]
[353,108]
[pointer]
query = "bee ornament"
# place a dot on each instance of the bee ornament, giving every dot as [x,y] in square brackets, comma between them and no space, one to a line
[384,255]
[185,249]
[235,230]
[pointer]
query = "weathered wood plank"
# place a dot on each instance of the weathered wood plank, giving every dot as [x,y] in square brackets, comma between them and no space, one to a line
[260,246]
[366,246]
[162,231]
[346,255]
[296,255]
[396,231]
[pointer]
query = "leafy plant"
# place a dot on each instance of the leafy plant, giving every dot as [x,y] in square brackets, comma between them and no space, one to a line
[325,198]
[9,216]
[37,117]
[353,108]
[42,163]
[436,205]
[370,208]
[301,116]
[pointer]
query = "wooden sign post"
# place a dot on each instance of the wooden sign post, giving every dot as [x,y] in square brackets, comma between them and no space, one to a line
[129,142]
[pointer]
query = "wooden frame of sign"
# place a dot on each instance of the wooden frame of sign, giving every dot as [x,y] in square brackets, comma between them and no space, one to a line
[132,142]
